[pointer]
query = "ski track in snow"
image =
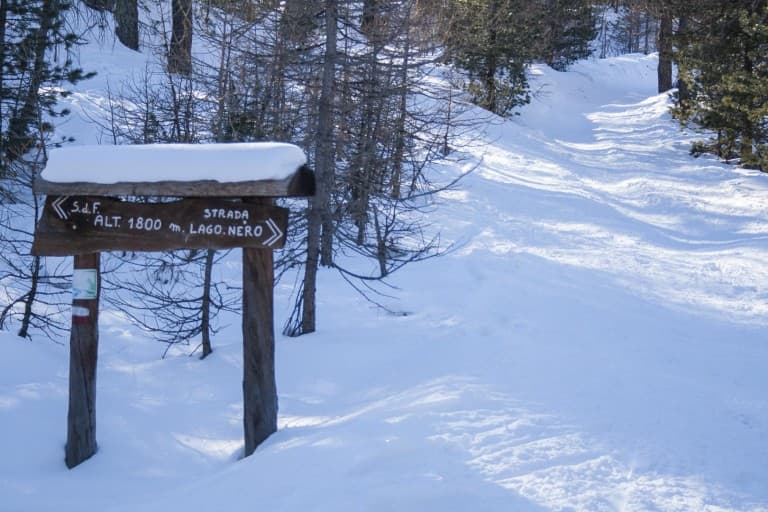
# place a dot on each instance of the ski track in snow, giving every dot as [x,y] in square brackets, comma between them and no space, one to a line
[594,343]
[630,203]
[613,192]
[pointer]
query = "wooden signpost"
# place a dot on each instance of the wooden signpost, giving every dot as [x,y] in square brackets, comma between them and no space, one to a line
[83,219]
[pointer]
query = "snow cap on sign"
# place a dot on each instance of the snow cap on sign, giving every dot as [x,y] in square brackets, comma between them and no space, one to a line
[225,163]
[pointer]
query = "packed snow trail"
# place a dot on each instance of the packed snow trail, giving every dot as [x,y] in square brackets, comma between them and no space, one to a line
[636,277]
[606,184]
[596,342]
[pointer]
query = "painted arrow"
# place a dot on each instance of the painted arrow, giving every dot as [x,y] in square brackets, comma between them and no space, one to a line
[276,233]
[58,209]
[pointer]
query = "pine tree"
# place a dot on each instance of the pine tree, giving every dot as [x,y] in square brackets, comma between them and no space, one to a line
[723,59]
[36,63]
[493,41]
[31,31]
[567,28]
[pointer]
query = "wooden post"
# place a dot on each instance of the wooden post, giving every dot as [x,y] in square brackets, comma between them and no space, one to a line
[83,352]
[259,387]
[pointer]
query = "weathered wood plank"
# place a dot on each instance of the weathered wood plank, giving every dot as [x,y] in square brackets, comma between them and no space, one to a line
[85,224]
[301,184]
[259,387]
[83,354]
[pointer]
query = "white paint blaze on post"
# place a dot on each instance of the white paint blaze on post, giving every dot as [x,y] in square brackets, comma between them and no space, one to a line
[79,311]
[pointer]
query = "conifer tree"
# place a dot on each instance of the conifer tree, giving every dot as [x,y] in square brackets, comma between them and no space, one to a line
[493,41]
[30,32]
[567,28]
[723,60]
[36,63]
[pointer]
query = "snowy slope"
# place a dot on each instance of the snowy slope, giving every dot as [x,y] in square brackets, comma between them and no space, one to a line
[596,342]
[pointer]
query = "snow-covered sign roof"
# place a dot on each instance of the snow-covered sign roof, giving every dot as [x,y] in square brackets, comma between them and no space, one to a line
[224,170]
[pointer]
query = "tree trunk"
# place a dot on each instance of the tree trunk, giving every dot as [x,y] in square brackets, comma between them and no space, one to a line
[364,167]
[665,51]
[30,298]
[399,152]
[127,23]
[325,156]
[746,151]
[3,18]
[319,221]
[309,288]
[205,320]
[19,141]
[491,60]
[180,49]
[647,33]
[370,16]
[683,92]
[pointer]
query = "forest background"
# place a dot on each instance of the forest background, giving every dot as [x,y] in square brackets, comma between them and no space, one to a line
[350,83]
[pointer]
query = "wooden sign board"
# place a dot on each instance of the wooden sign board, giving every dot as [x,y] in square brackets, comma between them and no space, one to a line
[87,224]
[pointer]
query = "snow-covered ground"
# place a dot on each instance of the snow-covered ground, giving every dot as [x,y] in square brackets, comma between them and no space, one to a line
[596,342]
